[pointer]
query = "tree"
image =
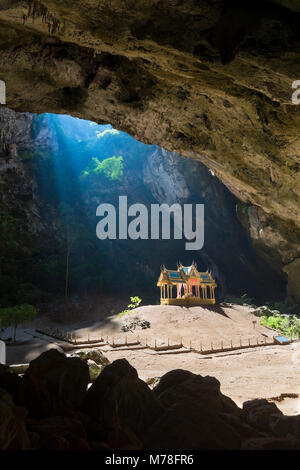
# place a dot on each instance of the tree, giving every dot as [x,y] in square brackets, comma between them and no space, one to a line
[134,303]
[68,218]
[14,316]
[78,238]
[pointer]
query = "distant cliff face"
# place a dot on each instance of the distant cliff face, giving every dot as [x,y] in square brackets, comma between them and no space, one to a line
[17,184]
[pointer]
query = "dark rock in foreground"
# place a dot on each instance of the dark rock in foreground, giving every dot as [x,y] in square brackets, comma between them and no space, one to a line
[183,412]
[53,383]
[121,402]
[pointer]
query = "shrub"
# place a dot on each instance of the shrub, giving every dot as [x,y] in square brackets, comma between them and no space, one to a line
[134,303]
[289,325]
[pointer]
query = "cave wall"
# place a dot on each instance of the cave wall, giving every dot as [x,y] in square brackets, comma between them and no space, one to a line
[210,80]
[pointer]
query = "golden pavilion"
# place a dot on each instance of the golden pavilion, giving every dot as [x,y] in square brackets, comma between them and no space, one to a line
[186,286]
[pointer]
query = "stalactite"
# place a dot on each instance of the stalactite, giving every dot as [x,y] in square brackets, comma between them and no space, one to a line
[37,9]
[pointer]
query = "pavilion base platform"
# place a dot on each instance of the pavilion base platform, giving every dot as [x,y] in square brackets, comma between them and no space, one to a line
[188,302]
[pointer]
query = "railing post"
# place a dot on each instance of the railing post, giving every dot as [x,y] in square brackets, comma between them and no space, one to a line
[2,352]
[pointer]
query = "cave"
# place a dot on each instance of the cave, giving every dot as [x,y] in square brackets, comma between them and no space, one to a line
[53,179]
[185,104]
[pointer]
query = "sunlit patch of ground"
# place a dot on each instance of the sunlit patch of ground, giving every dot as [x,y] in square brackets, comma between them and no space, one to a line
[266,371]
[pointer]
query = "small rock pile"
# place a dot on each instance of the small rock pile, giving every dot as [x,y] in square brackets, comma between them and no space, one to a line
[130,324]
[50,407]
[95,360]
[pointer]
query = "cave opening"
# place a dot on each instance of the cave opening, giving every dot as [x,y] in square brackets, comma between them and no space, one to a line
[64,168]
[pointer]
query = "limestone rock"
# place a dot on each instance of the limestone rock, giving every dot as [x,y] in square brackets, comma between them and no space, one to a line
[272,443]
[179,385]
[13,433]
[282,426]
[54,382]
[95,360]
[93,354]
[258,412]
[153,382]
[59,433]
[94,370]
[120,402]
[188,425]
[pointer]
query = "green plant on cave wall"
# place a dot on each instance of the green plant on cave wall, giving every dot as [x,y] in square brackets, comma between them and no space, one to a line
[111,168]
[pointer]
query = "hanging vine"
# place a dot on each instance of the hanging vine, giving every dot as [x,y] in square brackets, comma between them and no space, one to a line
[37,9]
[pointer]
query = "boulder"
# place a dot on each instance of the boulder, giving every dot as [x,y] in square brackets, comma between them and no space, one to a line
[153,381]
[174,377]
[257,413]
[11,383]
[53,383]
[13,433]
[121,403]
[180,385]
[92,354]
[281,425]
[59,433]
[95,360]
[94,370]
[188,425]
[271,443]
[131,323]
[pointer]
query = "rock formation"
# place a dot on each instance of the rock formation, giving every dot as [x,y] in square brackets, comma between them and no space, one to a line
[119,411]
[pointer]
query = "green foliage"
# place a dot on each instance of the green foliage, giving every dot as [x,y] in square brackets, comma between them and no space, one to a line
[111,168]
[289,325]
[14,316]
[134,303]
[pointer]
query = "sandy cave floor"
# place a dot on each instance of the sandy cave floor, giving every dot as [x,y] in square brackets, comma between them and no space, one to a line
[262,372]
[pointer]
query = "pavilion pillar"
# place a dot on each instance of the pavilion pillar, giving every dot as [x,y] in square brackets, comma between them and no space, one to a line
[160,292]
